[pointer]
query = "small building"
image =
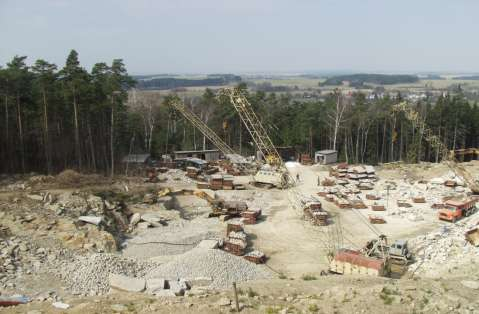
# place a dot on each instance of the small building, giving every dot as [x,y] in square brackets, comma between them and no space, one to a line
[183,163]
[327,156]
[207,155]
[137,159]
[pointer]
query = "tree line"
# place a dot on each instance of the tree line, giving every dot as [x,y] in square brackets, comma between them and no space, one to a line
[361,130]
[54,118]
[57,118]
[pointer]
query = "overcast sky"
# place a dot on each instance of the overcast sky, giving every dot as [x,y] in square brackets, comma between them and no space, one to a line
[241,36]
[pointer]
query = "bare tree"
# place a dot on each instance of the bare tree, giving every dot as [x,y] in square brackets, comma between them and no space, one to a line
[336,116]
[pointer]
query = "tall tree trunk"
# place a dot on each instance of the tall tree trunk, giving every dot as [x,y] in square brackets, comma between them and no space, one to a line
[20,133]
[7,136]
[112,145]
[46,132]
[77,130]
[393,132]
[383,145]
[92,147]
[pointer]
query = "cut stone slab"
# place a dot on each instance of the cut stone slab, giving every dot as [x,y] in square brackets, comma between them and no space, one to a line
[155,284]
[127,283]
[91,219]
[208,244]
[35,197]
[61,305]
[470,284]
[144,225]
[165,293]
[119,308]
[200,281]
[151,218]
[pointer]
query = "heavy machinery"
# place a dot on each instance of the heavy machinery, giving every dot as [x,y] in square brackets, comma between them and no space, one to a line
[454,210]
[398,252]
[235,158]
[274,173]
[435,142]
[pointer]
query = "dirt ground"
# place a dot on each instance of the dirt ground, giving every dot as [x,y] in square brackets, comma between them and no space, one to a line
[296,250]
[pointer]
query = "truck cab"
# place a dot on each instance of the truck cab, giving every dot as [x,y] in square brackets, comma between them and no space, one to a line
[399,249]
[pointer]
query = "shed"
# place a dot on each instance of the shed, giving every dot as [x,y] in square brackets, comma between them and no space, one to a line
[208,155]
[325,157]
[136,158]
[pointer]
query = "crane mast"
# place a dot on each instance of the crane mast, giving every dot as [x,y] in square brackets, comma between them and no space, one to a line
[179,106]
[258,133]
[436,142]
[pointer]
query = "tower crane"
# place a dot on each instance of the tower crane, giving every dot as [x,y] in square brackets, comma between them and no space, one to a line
[435,142]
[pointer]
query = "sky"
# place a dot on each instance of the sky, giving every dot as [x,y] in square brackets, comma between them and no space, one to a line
[247,36]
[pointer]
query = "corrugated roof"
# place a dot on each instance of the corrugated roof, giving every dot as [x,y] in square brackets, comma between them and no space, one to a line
[141,158]
[326,152]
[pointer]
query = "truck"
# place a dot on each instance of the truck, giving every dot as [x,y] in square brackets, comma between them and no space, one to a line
[454,210]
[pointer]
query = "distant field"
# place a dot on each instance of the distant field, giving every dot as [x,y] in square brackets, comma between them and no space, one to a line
[301,82]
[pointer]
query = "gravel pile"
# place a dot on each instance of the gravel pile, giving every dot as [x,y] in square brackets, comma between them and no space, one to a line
[88,275]
[176,238]
[222,267]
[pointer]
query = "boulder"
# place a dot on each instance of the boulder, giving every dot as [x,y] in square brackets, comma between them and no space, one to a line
[127,283]
[177,288]
[135,219]
[91,219]
[223,302]
[471,284]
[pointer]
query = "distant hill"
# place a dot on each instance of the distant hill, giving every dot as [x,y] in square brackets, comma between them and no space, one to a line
[468,78]
[167,82]
[380,79]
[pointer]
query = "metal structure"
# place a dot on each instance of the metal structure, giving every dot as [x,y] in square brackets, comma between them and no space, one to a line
[255,127]
[179,106]
[435,142]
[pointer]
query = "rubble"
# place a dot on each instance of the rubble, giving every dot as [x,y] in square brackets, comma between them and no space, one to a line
[446,247]
[90,275]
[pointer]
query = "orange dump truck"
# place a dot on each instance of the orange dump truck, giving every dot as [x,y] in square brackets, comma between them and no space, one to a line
[454,209]
[349,262]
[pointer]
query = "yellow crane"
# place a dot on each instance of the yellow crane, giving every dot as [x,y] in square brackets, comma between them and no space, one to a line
[435,142]
[189,115]
[276,174]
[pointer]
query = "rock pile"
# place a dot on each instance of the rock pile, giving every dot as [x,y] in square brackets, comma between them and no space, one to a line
[18,257]
[89,275]
[443,250]
[222,267]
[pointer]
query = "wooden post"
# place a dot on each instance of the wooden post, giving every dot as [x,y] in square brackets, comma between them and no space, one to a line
[236,297]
